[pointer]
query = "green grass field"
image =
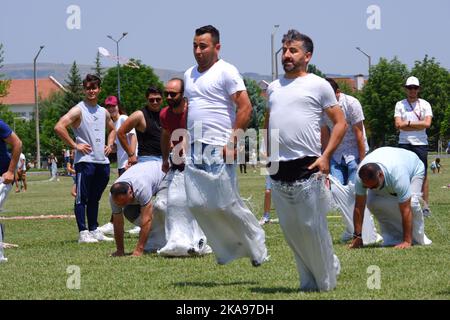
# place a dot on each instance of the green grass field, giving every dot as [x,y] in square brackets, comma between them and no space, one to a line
[37,269]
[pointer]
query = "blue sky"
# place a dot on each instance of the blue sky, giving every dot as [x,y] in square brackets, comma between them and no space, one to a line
[160,32]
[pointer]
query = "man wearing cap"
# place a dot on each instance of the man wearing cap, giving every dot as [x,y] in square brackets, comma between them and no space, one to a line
[412,117]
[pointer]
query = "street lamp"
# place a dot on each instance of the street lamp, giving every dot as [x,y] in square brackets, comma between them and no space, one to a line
[272,37]
[118,62]
[36,114]
[276,62]
[359,49]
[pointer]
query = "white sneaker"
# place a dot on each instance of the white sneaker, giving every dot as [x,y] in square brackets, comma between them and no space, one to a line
[98,235]
[86,237]
[107,228]
[135,230]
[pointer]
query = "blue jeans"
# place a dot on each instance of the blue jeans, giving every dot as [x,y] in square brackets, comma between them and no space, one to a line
[207,157]
[344,172]
[149,158]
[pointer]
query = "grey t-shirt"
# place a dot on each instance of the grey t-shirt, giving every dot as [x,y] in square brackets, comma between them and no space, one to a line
[144,178]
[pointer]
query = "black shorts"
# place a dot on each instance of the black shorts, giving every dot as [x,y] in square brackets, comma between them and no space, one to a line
[421,151]
[294,170]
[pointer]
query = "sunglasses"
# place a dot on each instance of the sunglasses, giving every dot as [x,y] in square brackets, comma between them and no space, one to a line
[154,100]
[412,87]
[171,94]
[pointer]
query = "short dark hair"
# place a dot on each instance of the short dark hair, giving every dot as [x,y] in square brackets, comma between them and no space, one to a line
[215,35]
[369,171]
[153,89]
[333,83]
[294,35]
[181,82]
[91,78]
[119,188]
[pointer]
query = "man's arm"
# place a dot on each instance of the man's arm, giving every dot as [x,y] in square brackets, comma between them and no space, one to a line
[358,131]
[324,136]
[111,135]
[358,218]
[165,149]
[243,116]
[146,224]
[406,212]
[118,223]
[71,118]
[413,125]
[133,121]
[16,149]
[336,115]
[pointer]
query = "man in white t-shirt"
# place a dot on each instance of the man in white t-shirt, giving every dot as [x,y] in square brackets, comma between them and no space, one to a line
[394,177]
[300,195]
[219,108]
[21,174]
[412,117]
[353,148]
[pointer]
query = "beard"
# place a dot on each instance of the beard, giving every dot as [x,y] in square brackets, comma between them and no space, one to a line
[174,103]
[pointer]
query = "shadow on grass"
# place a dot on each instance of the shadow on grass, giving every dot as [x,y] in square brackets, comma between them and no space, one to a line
[212,284]
[274,290]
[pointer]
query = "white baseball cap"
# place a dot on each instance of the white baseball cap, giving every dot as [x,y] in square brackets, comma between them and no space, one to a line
[412,81]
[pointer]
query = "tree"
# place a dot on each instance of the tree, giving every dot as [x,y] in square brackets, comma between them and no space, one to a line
[379,96]
[258,103]
[313,69]
[74,86]
[50,112]
[435,88]
[4,84]
[98,70]
[133,85]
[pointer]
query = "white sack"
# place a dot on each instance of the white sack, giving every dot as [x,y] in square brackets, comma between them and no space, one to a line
[231,228]
[302,209]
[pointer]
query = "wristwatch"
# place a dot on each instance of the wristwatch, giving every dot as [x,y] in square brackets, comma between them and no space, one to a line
[130,155]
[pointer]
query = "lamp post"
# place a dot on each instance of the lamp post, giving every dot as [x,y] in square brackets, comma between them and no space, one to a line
[118,62]
[359,49]
[276,62]
[272,37]
[36,114]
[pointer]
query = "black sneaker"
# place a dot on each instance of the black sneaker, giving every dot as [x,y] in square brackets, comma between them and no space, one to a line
[426,212]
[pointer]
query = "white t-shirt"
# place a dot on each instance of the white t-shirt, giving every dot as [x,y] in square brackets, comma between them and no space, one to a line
[416,111]
[122,156]
[144,178]
[348,148]
[22,164]
[209,95]
[296,107]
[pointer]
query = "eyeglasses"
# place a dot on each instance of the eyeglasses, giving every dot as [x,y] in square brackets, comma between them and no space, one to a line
[412,87]
[154,100]
[171,94]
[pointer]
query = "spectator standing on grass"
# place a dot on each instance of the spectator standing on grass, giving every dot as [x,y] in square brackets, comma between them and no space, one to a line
[413,116]
[89,121]
[118,116]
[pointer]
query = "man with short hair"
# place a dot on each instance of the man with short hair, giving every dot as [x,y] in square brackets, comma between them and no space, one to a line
[412,117]
[89,121]
[394,177]
[148,129]
[8,162]
[353,147]
[130,196]
[219,108]
[300,195]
